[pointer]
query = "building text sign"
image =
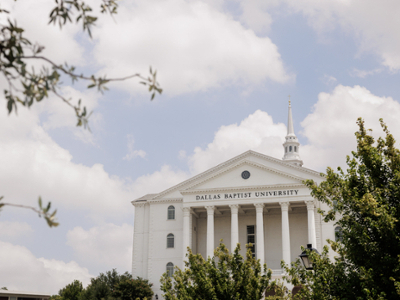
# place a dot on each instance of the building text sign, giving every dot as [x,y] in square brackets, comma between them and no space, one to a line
[248,195]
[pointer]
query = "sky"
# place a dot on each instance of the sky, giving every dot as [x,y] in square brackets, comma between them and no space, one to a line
[226,69]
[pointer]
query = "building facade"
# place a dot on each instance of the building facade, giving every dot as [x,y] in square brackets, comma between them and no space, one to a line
[251,198]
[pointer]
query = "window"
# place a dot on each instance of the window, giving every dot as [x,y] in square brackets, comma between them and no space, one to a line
[170,269]
[290,148]
[251,238]
[171,212]
[285,149]
[170,240]
[338,234]
[295,148]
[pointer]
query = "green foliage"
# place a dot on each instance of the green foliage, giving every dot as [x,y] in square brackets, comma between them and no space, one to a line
[225,276]
[4,288]
[132,289]
[72,291]
[114,286]
[102,286]
[365,202]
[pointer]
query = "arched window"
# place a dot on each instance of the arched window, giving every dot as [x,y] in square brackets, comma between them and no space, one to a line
[338,234]
[286,149]
[171,212]
[290,148]
[170,240]
[170,269]
[295,148]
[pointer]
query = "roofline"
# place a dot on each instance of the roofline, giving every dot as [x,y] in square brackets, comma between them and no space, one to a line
[7,292]
[229,161]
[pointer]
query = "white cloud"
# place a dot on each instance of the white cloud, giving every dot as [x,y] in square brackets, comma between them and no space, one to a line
[373,23]
[329,80]
[330,127]
[131,152]
[364,73]
[35,165]
[193,46]
[257,132]
[109,244]
[255,14]
[10,229]
[21,270]
[158,181]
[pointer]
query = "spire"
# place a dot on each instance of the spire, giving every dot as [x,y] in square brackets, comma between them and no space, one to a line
[290,129]
[291,146]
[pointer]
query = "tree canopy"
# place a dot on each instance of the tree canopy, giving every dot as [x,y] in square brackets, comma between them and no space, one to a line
[224,276]
[364,202]
[72,291]
[108,286]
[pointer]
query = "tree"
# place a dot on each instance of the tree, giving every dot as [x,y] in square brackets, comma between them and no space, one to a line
[224,276]
[72,291]
[27,85]
[103,285]
[365,202]
[132,289]
[111,285]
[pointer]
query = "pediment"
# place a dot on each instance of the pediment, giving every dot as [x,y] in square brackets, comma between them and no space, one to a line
[264,170]
[260,175]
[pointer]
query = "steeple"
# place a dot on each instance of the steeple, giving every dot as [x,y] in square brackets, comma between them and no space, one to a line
[291,145]
[290,129]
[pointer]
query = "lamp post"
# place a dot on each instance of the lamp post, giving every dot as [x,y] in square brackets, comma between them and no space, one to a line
[307,262]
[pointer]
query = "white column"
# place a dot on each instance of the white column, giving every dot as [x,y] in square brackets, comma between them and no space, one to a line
[260,232]
[186,232]
[210,231]
[234,226]
[285,232]
[312,238]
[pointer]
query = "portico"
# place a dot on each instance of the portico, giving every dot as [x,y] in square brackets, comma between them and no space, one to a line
[250,213]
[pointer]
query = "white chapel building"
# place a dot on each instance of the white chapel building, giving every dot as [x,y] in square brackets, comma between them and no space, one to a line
[251,198]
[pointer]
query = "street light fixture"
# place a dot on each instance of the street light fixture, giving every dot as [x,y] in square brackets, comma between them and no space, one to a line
[307,262]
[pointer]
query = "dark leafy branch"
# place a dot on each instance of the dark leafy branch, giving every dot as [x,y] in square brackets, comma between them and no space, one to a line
[42,211]
[63,11]
[27,85]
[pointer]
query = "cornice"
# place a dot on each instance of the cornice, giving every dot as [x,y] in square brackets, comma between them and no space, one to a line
[166,200]
[281,162]
[139,203]
[245,188]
